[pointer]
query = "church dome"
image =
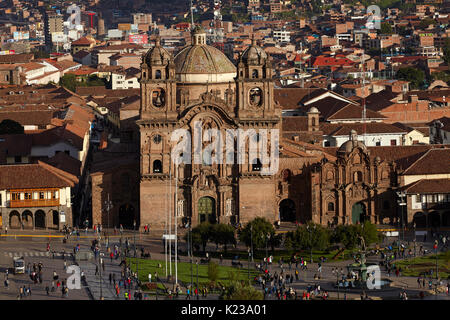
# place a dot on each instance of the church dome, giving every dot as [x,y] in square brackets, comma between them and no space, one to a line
[157,56]
[313,110]
[352,143]
[254,55]
[201,63]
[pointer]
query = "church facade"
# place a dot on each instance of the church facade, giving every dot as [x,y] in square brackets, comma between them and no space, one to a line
[201,87]
[199,90]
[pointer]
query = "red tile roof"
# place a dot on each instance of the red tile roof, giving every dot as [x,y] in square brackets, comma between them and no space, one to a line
[38,175]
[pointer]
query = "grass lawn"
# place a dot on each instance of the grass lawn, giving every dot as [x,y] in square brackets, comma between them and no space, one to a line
[416,266]
[285,254]
[184,272]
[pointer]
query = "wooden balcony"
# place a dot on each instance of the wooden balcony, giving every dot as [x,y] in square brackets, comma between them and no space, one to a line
[33,203]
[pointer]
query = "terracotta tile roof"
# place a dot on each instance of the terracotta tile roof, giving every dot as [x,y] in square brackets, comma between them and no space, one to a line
[425,186]
[52,136]
[25,116]
[83,41]
[104,92]
[403,156]
[16,58]
[12,145]
[337,129]
[434,161]
[297,123]
[291,98]
[38,175]
[351,111]
[66,163]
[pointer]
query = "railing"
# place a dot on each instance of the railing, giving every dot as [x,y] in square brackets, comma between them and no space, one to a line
[33,203]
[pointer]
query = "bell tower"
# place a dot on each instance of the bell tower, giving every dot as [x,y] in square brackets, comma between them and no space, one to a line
[254,84]
[158,84]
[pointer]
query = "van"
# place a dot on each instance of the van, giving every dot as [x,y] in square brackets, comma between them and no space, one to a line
[19,265]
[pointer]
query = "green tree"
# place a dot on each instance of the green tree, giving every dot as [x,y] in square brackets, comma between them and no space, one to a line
[223,234]
[201,235]
[69,81]
[426,22]
[213,272]
[310,236]
[349,235]
[241,291]
[414,75]
[8,126]
[386,28]
[256,231]
[446,50]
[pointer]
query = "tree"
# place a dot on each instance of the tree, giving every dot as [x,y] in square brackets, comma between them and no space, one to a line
[310,236]
[241,291]
[201,235]
[386,28]
[213,272]
[256,231]
[69,81]
[8,126]
[349,235]
[223,234]
[413,75]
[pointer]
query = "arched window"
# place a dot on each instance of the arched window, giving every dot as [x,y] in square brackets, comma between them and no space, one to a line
[357,176]
[313,122]
[256,166]
[158,74]
[330,206]
[255,74]
[286,175]
[157,166]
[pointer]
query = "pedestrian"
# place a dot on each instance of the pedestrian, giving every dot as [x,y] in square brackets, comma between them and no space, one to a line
[96,269]
[110,279]
[150,277]
[47,289]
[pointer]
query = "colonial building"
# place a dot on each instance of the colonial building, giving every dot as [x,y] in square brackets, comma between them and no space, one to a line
[354,188]
[35,196]
[201,87]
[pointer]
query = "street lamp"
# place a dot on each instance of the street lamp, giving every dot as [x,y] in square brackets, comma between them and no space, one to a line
[196,262]
[402,203]
[249,254]
[135,253]
[310,229]
[108,206]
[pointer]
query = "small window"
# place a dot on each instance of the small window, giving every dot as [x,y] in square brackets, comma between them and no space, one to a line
[158,74]
[378,143]
[256,166]
[17,159]
[330,206]
[15,196]
[157,139]
[357,176]
[326,143]
[41,195]
[157,166]
[255,74]
[393,142]
[28,196]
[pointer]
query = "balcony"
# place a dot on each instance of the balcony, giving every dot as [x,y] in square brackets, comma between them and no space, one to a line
[32,203]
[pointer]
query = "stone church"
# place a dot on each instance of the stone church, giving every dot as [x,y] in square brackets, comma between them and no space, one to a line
[201,85]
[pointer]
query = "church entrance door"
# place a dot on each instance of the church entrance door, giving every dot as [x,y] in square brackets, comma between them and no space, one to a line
[358,213]
[207,210]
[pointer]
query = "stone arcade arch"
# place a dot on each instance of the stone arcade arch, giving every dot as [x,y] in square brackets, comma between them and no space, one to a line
[27,219]
[39,219]
[420,219]
[127,216]
[14,220]
[287,210]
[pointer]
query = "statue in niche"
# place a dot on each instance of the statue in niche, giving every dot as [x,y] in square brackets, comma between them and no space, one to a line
[255,96]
